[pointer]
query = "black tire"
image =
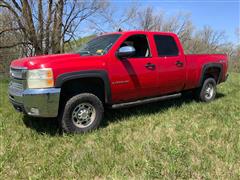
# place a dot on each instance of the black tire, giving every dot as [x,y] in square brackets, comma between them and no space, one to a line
[72,121]
[205,94]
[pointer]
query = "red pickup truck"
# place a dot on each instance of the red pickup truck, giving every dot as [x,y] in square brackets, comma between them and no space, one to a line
[112,70]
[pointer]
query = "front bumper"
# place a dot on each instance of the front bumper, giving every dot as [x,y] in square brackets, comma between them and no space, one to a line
[36,102]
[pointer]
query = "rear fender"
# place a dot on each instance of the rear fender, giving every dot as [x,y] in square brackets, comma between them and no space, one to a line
[211,65]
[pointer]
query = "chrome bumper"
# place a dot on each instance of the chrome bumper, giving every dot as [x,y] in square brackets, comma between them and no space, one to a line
[36,102]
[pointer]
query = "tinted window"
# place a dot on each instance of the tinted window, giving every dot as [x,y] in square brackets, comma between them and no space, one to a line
[166,46]
[140,43]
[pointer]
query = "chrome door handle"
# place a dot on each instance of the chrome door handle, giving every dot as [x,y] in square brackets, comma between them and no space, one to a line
[179,64]
[150,66]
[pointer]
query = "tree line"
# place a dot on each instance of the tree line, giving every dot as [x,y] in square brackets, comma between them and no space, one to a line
[37,27]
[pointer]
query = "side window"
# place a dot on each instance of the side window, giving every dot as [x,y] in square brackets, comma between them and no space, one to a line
[140,43]
[166,45]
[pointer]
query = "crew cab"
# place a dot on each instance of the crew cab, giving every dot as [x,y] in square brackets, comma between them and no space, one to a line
[113,70]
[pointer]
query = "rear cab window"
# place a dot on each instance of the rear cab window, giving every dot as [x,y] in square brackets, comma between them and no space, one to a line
[166,45]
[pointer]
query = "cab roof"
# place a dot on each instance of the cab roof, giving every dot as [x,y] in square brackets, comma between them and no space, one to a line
[140,32]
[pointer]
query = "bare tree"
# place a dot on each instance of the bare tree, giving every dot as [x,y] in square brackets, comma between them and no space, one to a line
[48,24]
[8,39]
[149,21]
[112,19]
[143,19]
[204,41]
[207,40]
[180,23]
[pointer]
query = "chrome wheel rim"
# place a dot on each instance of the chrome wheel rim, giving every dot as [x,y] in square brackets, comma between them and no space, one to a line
[83,115]
[209,91]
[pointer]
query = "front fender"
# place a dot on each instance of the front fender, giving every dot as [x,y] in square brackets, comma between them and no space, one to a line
[61,79]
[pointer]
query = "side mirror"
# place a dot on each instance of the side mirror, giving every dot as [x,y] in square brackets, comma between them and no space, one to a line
[125,51]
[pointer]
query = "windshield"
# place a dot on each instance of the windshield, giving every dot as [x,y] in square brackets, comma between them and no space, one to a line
[99,45]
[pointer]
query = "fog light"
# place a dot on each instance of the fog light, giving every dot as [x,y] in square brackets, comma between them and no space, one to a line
[34,111]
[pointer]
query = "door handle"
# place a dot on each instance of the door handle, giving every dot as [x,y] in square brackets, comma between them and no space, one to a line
[150,66]
[179,64]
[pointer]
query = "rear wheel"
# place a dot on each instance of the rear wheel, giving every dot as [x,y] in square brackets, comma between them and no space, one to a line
[82,113]
[207,92]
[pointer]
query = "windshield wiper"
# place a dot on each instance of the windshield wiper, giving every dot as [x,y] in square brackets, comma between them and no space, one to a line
[85,53]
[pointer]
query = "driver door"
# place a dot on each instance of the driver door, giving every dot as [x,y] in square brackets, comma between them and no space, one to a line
[134,77]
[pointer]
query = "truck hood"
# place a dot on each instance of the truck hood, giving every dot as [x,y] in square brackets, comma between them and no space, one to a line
[56,61]
[42,61]
[62,63]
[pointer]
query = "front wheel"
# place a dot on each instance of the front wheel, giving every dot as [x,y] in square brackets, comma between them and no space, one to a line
[207,92]
[82,113]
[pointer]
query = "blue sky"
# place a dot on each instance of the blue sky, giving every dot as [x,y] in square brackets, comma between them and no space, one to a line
[221,15]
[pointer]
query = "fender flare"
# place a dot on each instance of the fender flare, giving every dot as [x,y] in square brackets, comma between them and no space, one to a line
[102,74]
[211,65]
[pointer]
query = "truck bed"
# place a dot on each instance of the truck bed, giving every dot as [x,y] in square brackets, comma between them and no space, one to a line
[195,64]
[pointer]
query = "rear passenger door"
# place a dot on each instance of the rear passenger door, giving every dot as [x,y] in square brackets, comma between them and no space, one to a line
[171,64]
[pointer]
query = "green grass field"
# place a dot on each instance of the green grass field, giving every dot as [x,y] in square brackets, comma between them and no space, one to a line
[171,139]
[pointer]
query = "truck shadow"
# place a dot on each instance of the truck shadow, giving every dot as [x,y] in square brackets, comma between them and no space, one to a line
[50,126]
[47,126]
[116,115]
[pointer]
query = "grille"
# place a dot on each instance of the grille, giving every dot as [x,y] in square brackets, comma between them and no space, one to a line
[18,72]
[16,85]
[15,88]
[18,82]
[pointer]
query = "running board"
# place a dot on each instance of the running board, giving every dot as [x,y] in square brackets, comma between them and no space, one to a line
[145,101]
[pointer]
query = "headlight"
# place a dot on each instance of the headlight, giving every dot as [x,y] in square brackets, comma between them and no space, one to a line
[40,78]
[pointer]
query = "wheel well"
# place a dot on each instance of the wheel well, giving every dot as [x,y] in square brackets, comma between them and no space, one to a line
[212,72]
[82,85]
